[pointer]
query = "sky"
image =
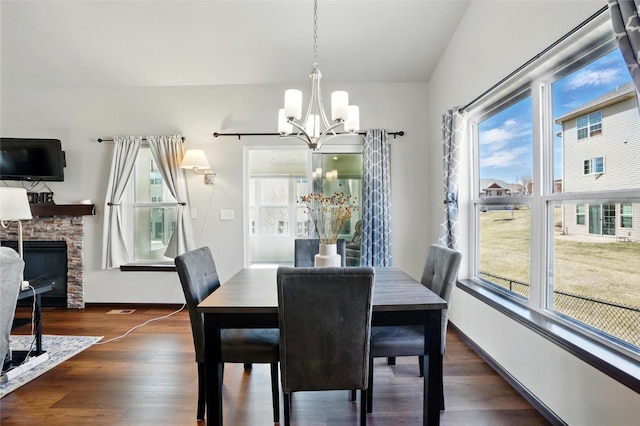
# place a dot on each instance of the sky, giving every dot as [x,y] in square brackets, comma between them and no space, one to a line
[506,138]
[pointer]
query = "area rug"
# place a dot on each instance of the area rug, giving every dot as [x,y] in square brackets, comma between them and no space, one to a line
[59,349]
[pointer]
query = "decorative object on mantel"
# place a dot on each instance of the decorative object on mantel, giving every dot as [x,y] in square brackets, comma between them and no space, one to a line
[314,128]
[48,210]
[40,197]
[329,214]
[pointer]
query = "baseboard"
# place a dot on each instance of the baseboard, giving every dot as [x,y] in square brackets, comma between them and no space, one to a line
[519,387]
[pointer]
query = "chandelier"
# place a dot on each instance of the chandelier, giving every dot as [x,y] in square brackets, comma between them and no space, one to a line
[314,127]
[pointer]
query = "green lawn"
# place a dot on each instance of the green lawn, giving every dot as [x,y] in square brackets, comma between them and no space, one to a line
[594,269]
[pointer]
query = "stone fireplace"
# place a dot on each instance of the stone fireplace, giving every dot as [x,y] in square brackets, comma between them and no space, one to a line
[59,223]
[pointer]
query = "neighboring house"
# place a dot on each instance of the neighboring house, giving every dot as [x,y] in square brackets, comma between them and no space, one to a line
[496,190]
[601,147]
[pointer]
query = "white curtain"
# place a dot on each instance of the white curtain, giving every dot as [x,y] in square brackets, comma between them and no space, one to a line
[167,152]
[114,250]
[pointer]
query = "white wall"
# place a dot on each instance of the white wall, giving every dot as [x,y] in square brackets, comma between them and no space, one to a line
[493,39]
[79,116]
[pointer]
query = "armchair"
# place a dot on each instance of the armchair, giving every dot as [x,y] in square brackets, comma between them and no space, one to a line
[12,267]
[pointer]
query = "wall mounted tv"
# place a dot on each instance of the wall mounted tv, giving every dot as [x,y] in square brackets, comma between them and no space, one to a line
[31,159]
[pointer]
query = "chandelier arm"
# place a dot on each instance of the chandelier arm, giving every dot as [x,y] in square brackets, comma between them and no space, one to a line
[330,129]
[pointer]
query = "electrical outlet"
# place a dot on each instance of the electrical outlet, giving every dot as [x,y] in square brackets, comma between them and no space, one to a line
[227,215]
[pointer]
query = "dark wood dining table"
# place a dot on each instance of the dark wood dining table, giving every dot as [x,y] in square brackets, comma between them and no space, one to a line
[249,300]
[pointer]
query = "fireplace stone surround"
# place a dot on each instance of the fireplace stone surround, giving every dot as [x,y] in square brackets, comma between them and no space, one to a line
[59,223]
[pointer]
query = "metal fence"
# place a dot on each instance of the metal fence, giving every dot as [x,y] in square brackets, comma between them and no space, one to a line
[618,320]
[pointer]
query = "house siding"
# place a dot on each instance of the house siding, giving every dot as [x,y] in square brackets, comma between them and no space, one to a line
[619,145]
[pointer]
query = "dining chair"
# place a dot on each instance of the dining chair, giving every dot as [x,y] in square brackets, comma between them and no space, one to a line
[305,250]
[325,330]
[199,278]
[439,275]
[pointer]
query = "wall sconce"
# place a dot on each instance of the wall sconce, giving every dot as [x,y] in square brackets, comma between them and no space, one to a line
[195,160]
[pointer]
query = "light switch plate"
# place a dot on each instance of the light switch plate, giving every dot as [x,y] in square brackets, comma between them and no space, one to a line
[227,215]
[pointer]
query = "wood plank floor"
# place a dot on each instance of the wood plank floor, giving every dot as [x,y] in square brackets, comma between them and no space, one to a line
[149,377]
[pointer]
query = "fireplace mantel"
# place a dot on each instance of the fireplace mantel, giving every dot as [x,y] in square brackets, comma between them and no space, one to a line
[48,210]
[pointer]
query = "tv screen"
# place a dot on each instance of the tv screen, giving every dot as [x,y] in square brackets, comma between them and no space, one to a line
[31,159]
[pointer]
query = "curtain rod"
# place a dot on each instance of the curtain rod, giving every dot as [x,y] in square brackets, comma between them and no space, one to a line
[538,56]
[143,139]
[239,135]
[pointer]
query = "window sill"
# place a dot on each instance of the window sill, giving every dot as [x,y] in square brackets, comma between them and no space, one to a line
[616,365]
[148,267]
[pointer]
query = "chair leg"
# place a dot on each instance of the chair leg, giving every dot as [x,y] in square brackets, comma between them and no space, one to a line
[364,397]
[441,384]
[353,394]
[391,360]
[275,392]
[201,391]
[287,407]
[421,365]
[370,388]
[248,366]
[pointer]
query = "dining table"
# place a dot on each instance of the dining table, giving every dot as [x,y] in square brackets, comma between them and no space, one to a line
[249,299]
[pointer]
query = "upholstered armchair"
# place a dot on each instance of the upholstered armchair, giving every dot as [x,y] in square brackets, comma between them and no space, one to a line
[12,268]
[354,246]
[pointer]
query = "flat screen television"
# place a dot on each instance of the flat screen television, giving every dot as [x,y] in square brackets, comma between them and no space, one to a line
[31,159]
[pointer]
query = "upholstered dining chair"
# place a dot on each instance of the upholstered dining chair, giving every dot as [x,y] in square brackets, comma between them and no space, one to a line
[325,329]
[439,275]
[305,250]
[199,278]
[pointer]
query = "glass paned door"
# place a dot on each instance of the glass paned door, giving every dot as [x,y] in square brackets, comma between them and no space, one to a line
[595,219]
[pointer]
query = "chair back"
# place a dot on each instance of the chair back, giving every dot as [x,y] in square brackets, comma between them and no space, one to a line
[440,275]
[306,249]
[325,327]
[199,278]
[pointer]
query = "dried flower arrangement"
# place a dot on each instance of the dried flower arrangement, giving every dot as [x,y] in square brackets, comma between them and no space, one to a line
[329,213]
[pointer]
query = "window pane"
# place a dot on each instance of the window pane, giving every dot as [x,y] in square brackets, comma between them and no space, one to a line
[505,151]
[595,277]
[273,221]
[149,185]
[153,229]
[274,192]
[504,254]
[596,117]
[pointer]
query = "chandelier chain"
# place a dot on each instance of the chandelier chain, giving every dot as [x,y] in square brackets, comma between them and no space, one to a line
[315,34]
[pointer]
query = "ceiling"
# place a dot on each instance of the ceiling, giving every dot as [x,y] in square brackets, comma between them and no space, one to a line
[111,43]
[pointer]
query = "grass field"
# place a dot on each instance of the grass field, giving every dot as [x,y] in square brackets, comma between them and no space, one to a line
[594,269]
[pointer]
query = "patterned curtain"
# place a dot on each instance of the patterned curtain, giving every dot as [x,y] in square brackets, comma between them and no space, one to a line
[626,25]
[114,250]
[453,127]
[167,152]
[376,202]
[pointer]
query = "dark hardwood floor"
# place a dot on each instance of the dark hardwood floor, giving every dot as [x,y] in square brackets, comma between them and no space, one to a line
[149,377]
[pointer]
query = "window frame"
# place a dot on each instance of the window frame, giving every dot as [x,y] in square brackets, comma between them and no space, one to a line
[591,164]
[596,40]
[591,131]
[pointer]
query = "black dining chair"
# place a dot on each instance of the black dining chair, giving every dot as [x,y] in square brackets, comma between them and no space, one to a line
[325,329]
[439,275]
[305,250]
[199,278]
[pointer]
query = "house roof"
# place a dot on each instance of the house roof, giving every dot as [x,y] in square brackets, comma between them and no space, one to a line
[626,91]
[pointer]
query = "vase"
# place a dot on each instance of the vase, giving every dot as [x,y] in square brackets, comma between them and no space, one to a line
[328,256]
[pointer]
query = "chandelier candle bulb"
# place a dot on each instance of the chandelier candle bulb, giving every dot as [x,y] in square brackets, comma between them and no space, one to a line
[339,105]
[293,104]
[352,122]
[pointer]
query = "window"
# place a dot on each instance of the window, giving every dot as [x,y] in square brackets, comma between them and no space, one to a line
[594,166]
[580,214]
[557,247]
[153,210]
[589,125]
[626,215]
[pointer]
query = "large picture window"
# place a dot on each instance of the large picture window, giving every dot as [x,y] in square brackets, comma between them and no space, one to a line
[552,229]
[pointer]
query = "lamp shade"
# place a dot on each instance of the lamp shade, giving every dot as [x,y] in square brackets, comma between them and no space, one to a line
[14,204]
[195,159]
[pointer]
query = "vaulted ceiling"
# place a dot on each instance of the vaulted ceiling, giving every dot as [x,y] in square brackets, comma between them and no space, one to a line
[176,43]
